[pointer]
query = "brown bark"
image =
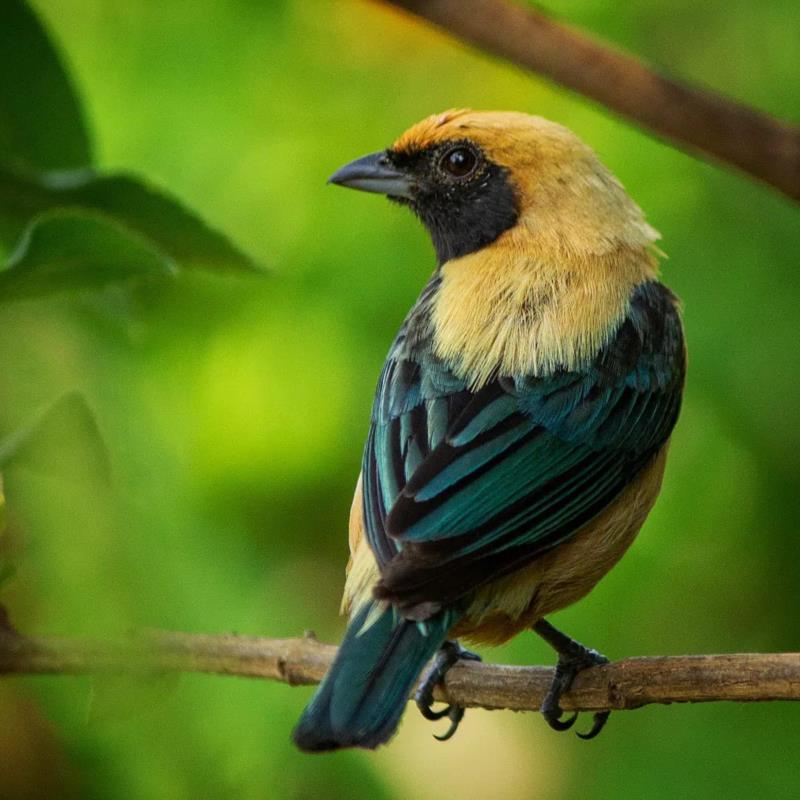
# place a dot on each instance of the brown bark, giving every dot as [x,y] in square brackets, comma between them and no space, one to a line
[625,684]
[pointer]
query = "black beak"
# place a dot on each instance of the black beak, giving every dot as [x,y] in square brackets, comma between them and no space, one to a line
[374,173]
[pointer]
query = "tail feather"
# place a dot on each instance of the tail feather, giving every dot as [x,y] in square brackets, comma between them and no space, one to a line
[361,699]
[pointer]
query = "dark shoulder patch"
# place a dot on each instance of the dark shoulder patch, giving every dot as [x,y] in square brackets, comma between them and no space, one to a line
[651,332]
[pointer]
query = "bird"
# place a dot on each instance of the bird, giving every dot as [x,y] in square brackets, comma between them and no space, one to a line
[521,421]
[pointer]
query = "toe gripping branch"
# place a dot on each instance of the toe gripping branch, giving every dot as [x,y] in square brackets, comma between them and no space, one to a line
[449,654]
[573,658]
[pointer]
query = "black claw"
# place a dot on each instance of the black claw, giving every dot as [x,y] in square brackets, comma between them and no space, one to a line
[449,654]
[561,724]
[427,712]
[456,714]
[572,659]
[600,719]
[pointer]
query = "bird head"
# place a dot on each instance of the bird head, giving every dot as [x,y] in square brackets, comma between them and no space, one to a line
[476,177]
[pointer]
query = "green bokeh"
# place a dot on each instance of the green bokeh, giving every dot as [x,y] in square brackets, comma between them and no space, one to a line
[234,409]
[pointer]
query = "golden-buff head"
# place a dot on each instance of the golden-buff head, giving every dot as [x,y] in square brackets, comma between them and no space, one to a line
[565,197]
[539,245]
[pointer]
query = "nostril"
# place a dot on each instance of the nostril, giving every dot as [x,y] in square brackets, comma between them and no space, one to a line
[384,161]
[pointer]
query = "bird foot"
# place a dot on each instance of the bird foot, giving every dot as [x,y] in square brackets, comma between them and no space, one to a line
[567,668]
[573,658]
[449,654]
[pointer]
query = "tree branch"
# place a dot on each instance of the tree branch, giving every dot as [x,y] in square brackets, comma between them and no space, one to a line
[758,144]
[625,684]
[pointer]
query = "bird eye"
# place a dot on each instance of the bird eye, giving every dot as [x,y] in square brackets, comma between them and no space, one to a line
[459,162]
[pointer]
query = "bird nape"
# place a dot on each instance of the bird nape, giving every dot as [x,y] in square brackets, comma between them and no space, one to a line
[520,425]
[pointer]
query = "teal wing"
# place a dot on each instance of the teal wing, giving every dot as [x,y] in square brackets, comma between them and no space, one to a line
[463,487]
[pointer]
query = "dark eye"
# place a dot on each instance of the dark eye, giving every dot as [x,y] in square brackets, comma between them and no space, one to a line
[459,162]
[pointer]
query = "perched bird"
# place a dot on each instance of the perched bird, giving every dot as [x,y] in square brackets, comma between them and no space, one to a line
[520,425]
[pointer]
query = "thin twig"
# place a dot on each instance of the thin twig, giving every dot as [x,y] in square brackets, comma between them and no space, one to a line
[756,143]
[625,684]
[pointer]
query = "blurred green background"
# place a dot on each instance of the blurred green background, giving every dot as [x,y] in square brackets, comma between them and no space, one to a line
[233,408]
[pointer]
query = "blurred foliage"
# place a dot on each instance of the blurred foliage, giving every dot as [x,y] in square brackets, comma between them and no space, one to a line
[230,409]
[69,425]
[41,121]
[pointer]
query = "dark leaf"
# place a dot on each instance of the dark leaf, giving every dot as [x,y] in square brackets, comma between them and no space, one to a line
[41,122]
[173,229]
[71,250]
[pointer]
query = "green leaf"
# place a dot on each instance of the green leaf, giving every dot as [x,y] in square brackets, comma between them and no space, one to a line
[41,122]
[174,230]
[62,439]
[72,250]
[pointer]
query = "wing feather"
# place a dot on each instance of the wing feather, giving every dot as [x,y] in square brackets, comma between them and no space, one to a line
[462,487]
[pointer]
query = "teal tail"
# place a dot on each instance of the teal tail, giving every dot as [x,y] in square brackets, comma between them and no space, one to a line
[361,700]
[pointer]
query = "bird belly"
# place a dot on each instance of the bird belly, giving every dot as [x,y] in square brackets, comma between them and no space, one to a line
[565,574]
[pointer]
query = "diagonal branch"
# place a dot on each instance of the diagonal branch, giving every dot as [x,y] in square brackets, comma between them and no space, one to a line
[625,684]
[696,119]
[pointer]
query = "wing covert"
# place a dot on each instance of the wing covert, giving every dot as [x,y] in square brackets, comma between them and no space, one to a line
[462,487]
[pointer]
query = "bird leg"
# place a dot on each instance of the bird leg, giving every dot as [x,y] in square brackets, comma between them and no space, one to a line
[573,658]
[449,653]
